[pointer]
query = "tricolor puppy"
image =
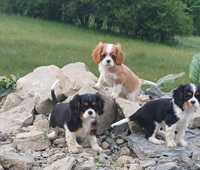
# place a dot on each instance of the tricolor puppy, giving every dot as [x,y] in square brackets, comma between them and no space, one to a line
[78,118]
[171,114]
[113,72]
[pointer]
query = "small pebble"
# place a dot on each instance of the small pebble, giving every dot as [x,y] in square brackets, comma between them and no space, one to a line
[119,141]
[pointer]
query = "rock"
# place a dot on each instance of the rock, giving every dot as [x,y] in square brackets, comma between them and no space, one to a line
[147,163]
[112,113]
[41,123]
[7,148]
[32,90]
[34,140]
[120,141]
[62,164]
[124,160]
[145,149]
[3,136]
[196,156]
[87,165]
[55,157]
[103,157]
[195,123]
[11,101]
[16,161]
[168,166]
[105,145]
[125,151]
[103,160]
[12,120]
[79,75]
[59,141]
[196,166]
[129,108]
[135,166]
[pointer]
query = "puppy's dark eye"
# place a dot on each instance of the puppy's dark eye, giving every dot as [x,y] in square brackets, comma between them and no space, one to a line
[197,94]
[189,94]
[103,55]
[113,56]
[85,104]
[93,104]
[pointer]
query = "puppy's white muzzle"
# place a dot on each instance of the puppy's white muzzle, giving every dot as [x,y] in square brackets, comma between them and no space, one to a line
[89,113]
[194,102]
[108,61]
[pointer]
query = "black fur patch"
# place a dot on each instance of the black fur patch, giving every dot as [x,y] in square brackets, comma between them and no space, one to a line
[70,113]
[155,111]
[162,110]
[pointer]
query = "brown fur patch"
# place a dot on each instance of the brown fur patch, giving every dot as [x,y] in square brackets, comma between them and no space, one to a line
[187,105]
[100,52]
[126,77]
[93,128]
[117,54]
[97,53]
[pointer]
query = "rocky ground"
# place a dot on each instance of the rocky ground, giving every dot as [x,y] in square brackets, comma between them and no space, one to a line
[24,145]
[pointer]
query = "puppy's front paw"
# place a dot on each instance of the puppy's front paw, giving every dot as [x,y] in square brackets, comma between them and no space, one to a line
[52,135]
[79,146]
[114,95]
[97,148]
[97,85]
[156,141]
[171,144]
[73,149]
[182,143]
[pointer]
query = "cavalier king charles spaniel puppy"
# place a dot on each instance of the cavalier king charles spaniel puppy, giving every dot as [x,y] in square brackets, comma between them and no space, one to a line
[170,114]
[77,118]
[114,73]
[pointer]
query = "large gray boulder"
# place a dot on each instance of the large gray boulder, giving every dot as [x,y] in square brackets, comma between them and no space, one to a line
[62,164]
[79,75]
[9,160]
[32,90]
[34,140]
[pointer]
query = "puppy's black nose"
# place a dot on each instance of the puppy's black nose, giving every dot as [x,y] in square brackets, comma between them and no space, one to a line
[193,101]
[108,61]
[90,112]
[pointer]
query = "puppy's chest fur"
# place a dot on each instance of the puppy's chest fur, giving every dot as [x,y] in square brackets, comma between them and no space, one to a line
[88,128]
[120,75]
[108,76]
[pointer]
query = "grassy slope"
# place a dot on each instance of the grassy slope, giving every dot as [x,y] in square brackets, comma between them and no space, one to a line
[26,43]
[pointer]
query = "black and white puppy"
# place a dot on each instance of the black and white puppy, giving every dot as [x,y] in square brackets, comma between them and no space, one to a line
[171,114]
[78,118]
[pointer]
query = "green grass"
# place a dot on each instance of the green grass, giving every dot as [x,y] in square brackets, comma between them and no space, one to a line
[27,43]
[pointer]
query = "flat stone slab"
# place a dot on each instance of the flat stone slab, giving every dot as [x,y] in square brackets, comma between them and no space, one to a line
[145,149]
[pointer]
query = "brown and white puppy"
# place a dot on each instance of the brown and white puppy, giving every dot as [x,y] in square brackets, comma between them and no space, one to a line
[113,72]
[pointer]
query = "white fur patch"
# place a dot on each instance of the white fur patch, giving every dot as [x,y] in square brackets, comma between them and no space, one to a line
[193,87]
[54,84]
[156,141]
[178,111]
[89,113]
[109,48]
[126,120]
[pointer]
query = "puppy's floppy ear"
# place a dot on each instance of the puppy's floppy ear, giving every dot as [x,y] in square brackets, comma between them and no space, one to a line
[100,104]
[96,54]
[119,56]
[198,92]
[178,95]
[75,104]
